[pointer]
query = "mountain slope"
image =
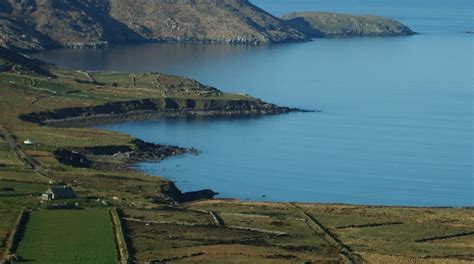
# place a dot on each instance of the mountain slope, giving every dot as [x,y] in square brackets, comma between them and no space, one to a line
[331,25]
[53,23]
[42,24]
[229,21]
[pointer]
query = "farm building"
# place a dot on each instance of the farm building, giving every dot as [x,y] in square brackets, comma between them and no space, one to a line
[58,193]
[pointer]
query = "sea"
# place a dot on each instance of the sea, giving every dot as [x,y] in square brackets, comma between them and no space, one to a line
[396,121]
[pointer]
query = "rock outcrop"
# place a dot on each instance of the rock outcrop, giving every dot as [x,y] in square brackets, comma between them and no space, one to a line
[135,151]
[176,195]
[332,25]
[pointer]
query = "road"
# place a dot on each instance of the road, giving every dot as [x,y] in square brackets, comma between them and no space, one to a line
[21,154]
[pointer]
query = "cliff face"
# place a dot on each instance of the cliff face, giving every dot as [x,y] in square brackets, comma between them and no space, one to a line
[331,25]
[152,108]
[40,24]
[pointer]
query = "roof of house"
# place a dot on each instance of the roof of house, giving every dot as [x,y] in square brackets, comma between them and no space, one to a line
[61,191]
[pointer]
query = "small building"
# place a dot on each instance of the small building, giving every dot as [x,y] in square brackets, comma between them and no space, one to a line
[58,193]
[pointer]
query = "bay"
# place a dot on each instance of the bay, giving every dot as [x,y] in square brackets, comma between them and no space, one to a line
[397,120]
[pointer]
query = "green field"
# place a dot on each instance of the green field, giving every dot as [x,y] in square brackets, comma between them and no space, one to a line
[82,236]
[6,157]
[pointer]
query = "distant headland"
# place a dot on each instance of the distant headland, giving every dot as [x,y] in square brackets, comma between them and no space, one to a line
[332,25]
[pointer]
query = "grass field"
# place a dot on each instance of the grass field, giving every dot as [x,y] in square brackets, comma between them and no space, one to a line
[6,157]
[18,195]
[398,231]
[187,236]
[83,236]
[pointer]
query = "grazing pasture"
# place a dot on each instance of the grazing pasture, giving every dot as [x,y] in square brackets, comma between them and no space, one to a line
[69,236]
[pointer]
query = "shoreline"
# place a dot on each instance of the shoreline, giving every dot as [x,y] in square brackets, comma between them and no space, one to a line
[143,116]
[145,152]
[106,44]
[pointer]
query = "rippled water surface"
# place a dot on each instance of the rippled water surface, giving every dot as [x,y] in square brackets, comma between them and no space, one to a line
[397,120]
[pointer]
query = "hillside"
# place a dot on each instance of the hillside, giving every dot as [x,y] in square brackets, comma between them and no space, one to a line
[41,24]
[332,25]
[13,62]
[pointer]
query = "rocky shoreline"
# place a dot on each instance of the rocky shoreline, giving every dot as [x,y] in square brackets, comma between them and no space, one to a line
[137,151]
[125,157]
[197,101]
[147,109]
[137,116]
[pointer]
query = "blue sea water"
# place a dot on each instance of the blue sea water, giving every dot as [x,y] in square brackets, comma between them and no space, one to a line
[397,120]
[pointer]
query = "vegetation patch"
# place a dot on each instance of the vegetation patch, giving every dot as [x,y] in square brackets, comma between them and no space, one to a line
[69,236]
[12,189]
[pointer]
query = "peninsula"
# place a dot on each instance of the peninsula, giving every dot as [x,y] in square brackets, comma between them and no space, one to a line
[333,25]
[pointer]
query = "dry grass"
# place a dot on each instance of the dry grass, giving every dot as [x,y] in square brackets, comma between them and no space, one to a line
[383,259]
[7,223]
[169,214]
[243,239]
[399,239]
